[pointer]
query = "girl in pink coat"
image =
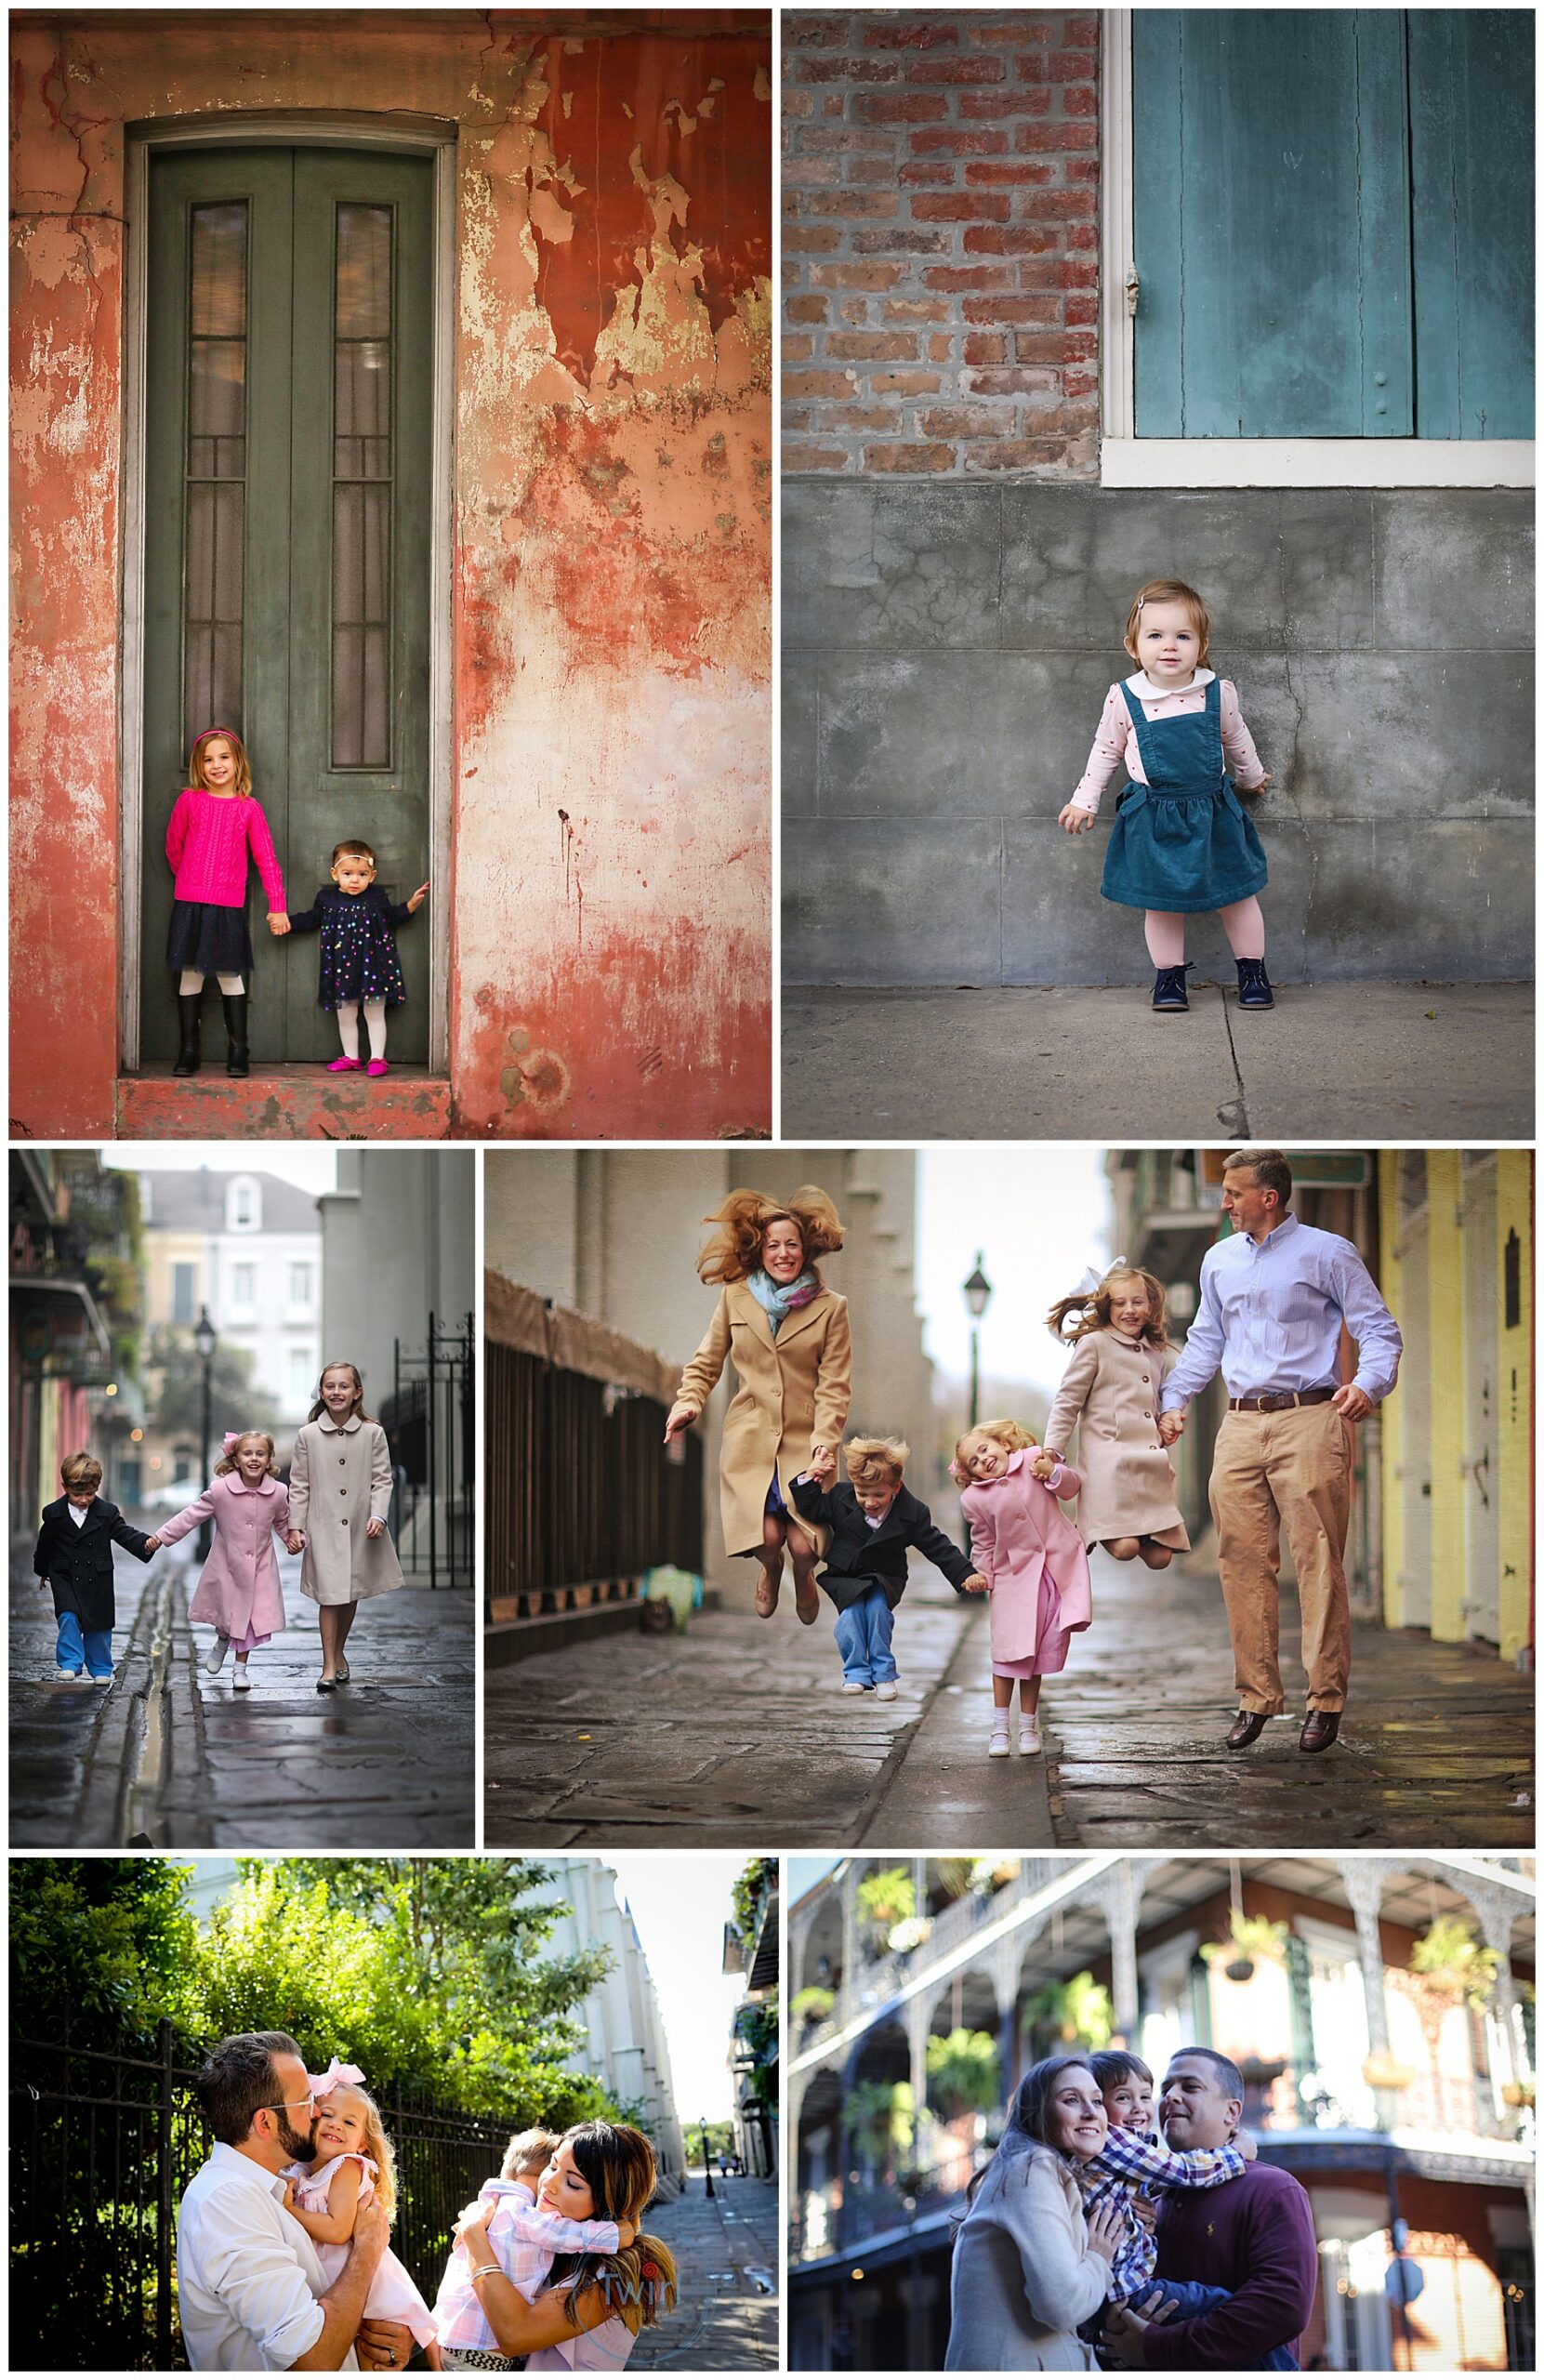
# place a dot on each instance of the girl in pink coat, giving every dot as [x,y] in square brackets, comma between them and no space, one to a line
[1035,1566]
[238,1587]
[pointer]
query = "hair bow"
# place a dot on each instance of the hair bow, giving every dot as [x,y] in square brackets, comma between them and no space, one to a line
[1094,1276]
[231,1441]
[321,2083]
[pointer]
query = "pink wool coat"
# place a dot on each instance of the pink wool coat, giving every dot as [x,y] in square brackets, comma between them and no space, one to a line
[1018,1534]
[238,1587]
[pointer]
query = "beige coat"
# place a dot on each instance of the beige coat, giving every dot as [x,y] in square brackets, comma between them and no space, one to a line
[794,1393]
[1109,1394]
[1023,2276]
[339,1480]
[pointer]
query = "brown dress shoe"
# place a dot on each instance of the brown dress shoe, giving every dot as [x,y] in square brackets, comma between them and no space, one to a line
[1244,1728]
[1319,1731]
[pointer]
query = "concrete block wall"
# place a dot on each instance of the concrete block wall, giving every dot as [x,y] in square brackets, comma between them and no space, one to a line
[940,242]
[948,649]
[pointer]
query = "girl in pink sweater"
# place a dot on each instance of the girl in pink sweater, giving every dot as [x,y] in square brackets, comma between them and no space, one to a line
[216,825]
[1033,1563]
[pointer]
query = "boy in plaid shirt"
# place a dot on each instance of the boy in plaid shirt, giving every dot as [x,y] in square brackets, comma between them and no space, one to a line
[1133,2161]
[524,2242]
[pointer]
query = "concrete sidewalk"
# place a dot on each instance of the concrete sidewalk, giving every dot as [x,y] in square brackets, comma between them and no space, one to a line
[169,1758]
[726,2247]
[1330,1062]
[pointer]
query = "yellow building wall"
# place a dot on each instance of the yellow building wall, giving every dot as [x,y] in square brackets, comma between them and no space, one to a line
[1514,1413]
[1393,1437]
[1444,1356]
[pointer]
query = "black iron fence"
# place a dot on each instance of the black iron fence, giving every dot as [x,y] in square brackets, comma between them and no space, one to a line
[429,1418]
[582,1496]
[103,2142]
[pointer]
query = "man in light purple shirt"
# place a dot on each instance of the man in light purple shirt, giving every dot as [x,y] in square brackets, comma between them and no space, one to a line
[1275,1299]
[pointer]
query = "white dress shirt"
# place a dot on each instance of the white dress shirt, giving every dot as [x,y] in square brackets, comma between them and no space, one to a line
[248,2274]
[1271,1314]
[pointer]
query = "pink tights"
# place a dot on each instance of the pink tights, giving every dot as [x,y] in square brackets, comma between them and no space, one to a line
[1242,922]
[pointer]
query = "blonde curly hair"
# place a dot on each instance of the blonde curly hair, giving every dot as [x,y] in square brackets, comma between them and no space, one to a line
[1011,1435]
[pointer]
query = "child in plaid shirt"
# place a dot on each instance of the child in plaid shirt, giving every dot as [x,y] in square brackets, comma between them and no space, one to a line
[1132,2162]
[524,2242]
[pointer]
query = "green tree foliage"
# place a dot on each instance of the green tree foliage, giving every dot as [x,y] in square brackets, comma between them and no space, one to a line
[755,1881]
[178,1407]
[102,1224]
[962,2073]
[106,1943]
[425,1973]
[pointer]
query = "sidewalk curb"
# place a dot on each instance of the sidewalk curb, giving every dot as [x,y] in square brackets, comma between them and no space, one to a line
[1025,1781]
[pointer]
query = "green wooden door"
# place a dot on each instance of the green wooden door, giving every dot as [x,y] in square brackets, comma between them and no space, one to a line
[287,540]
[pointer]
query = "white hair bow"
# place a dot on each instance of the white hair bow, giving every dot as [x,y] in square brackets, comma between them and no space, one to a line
[321,2083]
[1094,1276]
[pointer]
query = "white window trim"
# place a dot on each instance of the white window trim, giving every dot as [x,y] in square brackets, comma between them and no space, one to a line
[1126,460]
[286,131]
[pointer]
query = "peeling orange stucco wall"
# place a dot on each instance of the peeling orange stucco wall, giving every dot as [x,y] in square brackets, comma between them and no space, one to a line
[611,849]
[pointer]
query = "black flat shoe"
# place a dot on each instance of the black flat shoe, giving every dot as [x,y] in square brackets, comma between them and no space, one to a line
[1254,984]
[1169,986]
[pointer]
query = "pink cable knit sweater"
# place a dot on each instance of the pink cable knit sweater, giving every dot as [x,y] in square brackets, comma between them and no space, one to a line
[208,840]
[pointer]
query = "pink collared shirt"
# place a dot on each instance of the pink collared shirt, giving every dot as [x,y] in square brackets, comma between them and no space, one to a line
[1115,739]
[208,839]
[524,2242]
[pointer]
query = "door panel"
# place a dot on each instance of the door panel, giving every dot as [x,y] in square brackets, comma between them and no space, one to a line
[289,405]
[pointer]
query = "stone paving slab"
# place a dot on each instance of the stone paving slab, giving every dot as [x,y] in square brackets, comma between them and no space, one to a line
[727,2249]
[1352,1061]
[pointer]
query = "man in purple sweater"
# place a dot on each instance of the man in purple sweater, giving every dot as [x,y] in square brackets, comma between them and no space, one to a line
[1253,2237]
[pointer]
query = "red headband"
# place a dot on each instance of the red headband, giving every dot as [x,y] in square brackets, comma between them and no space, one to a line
[229,733]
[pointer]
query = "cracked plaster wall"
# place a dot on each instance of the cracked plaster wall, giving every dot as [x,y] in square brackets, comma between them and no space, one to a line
[611,867]
[946,652]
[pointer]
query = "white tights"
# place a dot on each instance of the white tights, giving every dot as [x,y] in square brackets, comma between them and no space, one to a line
[1242,922]
[191,980]
[347,1026]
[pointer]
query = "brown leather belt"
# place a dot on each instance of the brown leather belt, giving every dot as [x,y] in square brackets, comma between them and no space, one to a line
[1274,1401]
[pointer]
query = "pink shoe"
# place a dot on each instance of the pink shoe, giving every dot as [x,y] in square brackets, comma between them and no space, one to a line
[344,1066]
[378,1066]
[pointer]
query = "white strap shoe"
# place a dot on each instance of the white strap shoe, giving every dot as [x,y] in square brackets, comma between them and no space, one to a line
[998,1748]
[240,1681]
[1029,1735]
[214,1661]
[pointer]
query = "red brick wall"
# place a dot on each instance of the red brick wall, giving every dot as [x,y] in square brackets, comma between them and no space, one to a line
[940,242]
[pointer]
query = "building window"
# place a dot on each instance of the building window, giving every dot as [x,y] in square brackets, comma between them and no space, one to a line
[183,1277]
[299,1374]
[215,467]
[243,1287]
[243,1206]
[1332,224]
[361,489]
[300,1277]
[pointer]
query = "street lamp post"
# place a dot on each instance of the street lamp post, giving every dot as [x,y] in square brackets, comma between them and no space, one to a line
[978,1297]
[204,1341]
[707,2158]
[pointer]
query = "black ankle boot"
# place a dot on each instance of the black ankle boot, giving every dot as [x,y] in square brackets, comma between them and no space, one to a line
[1254,985]
[234,1005]
[188,1007]
[1169,986]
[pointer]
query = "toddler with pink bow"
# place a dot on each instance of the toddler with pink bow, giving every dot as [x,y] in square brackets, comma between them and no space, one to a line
[238,1587]
[353,2163]
[1033,1560]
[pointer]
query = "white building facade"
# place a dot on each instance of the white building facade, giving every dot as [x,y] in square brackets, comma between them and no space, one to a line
[626,2047]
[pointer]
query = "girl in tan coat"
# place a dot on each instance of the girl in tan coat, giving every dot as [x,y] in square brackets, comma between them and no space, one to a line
[1109,1394]
[787,1337]
[339,1495]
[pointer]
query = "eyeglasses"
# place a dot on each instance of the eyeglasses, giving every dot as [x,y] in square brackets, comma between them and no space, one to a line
[276,2105]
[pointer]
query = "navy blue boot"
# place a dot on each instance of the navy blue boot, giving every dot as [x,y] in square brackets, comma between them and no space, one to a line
[1254,984]
[1169,986]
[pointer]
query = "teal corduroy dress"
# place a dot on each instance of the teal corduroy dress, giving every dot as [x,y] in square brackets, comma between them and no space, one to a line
[1183,840]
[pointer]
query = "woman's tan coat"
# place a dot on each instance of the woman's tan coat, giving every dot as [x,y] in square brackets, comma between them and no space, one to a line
[794,1393]
[339,1480]
[1109,1394]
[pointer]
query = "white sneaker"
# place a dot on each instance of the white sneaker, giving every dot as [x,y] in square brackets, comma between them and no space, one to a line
[998,1748]
[851,1686]
[885,1693]
[240,1681]
[1029,1735]
[61,1671]
[214,1661]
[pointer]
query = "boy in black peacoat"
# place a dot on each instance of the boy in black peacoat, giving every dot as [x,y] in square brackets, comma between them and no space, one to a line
[874,1523]
[74,1556]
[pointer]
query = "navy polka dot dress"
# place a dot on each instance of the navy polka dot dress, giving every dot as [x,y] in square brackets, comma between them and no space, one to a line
[359,949]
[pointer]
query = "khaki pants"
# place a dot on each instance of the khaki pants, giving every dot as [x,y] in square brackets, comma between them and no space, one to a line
[1291,1468]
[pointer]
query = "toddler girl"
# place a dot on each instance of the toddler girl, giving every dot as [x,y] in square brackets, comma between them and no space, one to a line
[524,2237]
[1109,1394]
[359,955]
[352,2164]
[349,1554]
[1034,1567]
[215,822]
[238,1587]
[1181,840]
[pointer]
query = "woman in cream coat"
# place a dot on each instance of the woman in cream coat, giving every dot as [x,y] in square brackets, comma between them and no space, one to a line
[1028,2267]
[787,1337]
[1109,1394]
[339,1495]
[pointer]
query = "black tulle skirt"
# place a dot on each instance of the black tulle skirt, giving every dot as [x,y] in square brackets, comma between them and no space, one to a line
[209,938]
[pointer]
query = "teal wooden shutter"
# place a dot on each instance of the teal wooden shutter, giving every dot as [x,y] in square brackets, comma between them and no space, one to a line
[1272,217]
[1471,139]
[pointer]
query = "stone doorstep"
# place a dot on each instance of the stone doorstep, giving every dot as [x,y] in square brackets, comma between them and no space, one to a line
[283,1104]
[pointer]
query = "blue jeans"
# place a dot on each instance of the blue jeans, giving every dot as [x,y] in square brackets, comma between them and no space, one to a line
[1192,2297]
[91,1645]
[863,1631]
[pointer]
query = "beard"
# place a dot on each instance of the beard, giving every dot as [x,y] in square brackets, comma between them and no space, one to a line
[298,2146]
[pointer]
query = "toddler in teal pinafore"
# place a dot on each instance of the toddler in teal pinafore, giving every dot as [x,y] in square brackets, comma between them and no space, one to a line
[1181,840]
